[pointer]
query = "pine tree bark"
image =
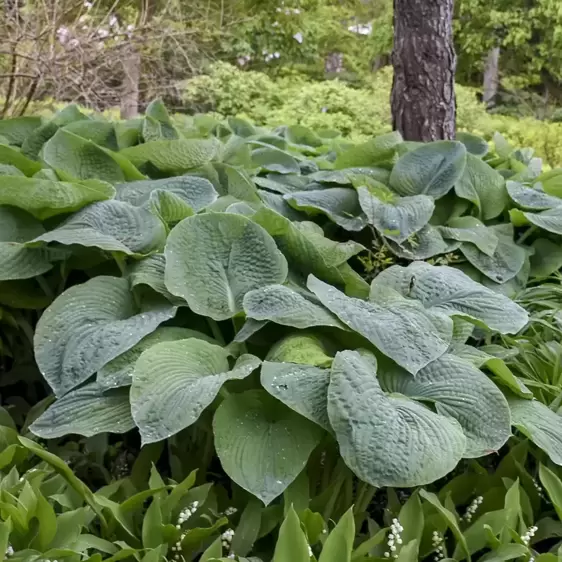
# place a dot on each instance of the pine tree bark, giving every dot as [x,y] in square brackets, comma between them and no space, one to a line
[491,77]
[424,60]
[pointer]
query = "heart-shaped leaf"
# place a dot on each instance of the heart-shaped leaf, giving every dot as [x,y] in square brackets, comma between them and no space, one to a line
[396,218]
[431,169]
[549,220]
[86,411]
[174,157]
[173,198]
[213,260]
[470,229]
[387,440]
[119,371]
[460,391]
[417,337]
[426,243]
[262,445]
[340,204]
[532,198]
[483,186]
[374,151]
[173,382]
[303,388]
[288,307]
[17,261]
[88,326]
[44,198]
[113,226]
[450,291]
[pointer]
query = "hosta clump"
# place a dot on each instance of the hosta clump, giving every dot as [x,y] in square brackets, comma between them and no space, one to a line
[215,270]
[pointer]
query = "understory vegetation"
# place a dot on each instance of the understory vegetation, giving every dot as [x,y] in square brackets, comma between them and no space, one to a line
[264,340]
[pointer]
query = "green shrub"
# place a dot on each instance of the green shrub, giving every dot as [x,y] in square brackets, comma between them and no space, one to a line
[356,112]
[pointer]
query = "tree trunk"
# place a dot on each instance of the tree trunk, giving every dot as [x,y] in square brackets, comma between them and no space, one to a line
[423,90]
[131,76]
[491,77]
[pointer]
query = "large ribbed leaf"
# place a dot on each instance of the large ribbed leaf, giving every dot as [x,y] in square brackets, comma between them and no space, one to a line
[550,220]
[309,251]
[88,326]
[173,382]
[546,259]
[400,328]
[262,445]
[340,204]
[213,260]
[10,156]
[16,130]
[540,424]
[174,156]
[301,347]
[77,158]
[431,169]
[119,371]
[86,411]
[44,198]
[532,198]
[374,151]
[17,261]
[113,226]
[395,217]
[470,229]
[450,291]
[426,243]
[507,260]
[283,305]
[173,198]
[482,186]
[303,388]
[460,391]
[150,272]
[388,440]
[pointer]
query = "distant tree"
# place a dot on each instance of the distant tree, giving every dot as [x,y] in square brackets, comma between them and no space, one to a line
[424,61]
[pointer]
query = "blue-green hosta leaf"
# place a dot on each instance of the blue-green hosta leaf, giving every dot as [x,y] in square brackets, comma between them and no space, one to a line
[303,137]
[473,143]
[309,251]
[460,391]
[16,130]
[550,220]
[173,382]
[77,158]
[9,170]
[150,271]
[236,182]
[532,198]
[470,229]
[17,261]
[374,151]
[426,243]
[387,440]
[546,259]
[350,175]
[119,371]
[44,198]
[400,328]
[507,260]
[482,186]
[431,169]
[450,291]
[174,156]
[285,306]
[283,184]
[172,198]
[274,160]
[277,203]
[396,218]
[88,326]
[300,347]
[157,124]
[213,260]
[540,424]
[262,445]
[113,226]
[10,156]
[86,411]
[303,388]
[100,132]
[340,204]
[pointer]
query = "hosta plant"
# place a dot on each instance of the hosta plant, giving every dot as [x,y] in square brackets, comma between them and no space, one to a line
[207,275]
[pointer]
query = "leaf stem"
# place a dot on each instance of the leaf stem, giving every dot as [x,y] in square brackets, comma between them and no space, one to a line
[216,331]
[526,234]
